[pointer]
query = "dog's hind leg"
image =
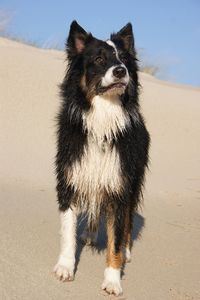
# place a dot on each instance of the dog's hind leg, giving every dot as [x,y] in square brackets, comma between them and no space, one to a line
[89,236]
[64,269]
[128,234]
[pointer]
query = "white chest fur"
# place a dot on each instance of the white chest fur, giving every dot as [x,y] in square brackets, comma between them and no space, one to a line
[99,168]
[105,118]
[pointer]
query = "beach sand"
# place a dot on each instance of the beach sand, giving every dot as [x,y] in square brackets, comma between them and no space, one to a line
[165,257]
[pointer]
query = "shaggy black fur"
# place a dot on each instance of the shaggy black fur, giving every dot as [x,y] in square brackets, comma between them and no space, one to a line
[83,51]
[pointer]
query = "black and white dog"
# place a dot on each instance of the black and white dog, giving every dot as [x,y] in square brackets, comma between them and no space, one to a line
[102,147]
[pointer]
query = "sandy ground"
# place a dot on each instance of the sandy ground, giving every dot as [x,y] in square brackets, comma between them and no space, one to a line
[166,256]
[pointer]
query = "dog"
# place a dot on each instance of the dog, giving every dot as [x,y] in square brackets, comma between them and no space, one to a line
[102,148]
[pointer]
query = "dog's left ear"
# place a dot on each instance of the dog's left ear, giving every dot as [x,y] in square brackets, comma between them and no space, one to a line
[77,38]
[126,35]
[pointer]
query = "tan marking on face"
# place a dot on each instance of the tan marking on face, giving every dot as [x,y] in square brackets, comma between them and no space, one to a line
[90,91]
[83,83]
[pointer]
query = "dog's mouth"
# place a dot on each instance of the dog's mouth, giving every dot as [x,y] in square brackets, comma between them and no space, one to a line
[117,85]
[113,86]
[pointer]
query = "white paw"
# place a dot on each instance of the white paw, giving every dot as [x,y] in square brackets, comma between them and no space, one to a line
[64,271]
[112,287]
[111,283]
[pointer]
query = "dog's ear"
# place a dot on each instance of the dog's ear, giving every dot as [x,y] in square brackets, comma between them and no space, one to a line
[126,35]
[77,38]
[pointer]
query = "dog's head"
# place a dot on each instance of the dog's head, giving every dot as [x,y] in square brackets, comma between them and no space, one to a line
[105,67]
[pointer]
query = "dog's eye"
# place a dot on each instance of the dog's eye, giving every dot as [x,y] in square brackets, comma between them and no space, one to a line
[99,59]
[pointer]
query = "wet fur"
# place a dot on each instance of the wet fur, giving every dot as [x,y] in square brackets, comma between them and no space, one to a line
[122,142]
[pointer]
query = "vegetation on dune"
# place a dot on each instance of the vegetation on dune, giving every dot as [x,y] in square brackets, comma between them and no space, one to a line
[6,16]
[149,69]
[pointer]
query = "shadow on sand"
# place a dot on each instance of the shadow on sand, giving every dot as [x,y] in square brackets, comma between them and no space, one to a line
[100,246]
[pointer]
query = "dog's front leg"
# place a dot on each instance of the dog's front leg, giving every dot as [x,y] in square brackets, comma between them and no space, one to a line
[112,274]
[64,269]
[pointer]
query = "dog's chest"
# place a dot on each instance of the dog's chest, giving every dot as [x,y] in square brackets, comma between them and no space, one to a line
[99,168]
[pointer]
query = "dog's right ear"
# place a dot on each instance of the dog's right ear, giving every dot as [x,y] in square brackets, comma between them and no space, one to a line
[77,39]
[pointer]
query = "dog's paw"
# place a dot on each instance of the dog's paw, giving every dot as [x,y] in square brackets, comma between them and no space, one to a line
[111,283]
[64,271]
[112,287]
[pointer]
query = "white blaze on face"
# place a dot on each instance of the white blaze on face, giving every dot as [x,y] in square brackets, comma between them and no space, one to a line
[110,43]
[109,78]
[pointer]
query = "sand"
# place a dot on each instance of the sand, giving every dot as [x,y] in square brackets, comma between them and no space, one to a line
[166,257]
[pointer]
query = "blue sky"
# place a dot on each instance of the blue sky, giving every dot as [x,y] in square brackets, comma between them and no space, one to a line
[166,32]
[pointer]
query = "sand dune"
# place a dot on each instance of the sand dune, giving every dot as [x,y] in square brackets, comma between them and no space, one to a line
[166,260]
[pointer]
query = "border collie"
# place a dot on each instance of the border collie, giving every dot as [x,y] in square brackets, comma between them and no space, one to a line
[102,148]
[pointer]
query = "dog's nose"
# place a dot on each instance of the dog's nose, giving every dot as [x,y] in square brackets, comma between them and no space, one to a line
[119,72]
